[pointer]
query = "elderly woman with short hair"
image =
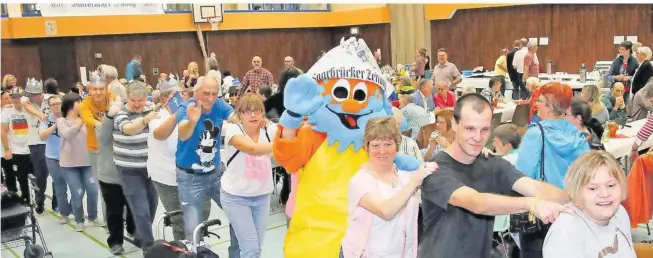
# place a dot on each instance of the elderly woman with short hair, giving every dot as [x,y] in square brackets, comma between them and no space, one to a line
[213,70]
[130,151]
[645,70]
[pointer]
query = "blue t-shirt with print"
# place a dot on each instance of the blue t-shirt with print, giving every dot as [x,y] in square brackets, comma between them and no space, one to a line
[53,143]
[201,152]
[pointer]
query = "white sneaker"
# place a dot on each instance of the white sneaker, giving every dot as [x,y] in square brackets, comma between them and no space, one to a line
[63,220]
[97,223]
[79,227]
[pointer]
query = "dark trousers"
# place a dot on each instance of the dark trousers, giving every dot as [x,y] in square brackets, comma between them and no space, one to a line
[420,224]
[285,188]
[519,90]
[37,155]
[18,168]
[531,244]
[116,205]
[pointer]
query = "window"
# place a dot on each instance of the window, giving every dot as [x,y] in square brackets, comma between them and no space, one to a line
[4,10]
[178,8]
[31,10]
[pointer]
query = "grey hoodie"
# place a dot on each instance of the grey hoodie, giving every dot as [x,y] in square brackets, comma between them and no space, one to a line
[107,171]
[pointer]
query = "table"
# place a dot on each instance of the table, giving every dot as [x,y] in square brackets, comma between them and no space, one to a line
[620,147]
[507,110]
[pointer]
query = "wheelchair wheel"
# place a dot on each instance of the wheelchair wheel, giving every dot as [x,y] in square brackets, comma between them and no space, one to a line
[34,251]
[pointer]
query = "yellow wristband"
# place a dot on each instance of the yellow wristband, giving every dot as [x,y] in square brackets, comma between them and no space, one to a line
[531,212]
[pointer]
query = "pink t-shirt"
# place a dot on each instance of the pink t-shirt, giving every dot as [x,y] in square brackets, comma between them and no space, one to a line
[361,223]
[73,152]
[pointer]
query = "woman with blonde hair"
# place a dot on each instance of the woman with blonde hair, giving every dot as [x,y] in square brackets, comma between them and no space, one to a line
[597,185]
[592,94]
[382,203]
[8,82]
[193,74]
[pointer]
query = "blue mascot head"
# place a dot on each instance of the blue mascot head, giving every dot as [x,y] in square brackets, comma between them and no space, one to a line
[354,91]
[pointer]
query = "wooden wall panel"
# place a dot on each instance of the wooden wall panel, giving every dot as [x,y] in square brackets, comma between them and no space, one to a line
[170,52]
[475,37]
[20,58]
[375,36]
[235,49]
[577,33]
[584,33]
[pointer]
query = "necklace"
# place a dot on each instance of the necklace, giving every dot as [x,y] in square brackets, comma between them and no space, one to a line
[395,180]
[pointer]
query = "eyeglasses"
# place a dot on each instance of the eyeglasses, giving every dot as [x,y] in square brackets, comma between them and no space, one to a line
[251,112]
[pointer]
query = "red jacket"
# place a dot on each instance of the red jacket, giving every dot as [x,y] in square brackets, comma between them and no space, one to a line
[639,203]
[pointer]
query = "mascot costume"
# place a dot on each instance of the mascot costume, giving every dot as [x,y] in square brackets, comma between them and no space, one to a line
[339,94]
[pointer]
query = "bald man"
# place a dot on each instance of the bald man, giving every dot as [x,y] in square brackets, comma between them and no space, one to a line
[256,77]
[289,62]
[615,103]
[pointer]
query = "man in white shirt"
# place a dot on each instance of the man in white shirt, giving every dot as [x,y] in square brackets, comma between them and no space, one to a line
[161,157]
[518,64]
[14,141]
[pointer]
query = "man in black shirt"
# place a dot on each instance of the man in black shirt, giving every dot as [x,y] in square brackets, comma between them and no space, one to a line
[460,201]
[512,72]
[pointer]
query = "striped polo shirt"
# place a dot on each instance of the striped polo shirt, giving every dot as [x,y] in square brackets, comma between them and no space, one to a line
[130,150]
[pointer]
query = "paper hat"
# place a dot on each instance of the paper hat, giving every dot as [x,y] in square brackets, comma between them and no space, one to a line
[352,59]
[33,86]
[96,78]
[171,76]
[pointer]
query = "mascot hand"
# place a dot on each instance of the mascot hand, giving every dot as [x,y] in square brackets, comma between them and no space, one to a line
[406,163]
[302,95]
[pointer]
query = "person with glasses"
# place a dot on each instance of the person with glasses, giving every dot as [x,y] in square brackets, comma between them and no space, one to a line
[597,184]
[562,141]
[247,182]
[441,138]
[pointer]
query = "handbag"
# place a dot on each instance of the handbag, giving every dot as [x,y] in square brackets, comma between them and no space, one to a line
[520,222]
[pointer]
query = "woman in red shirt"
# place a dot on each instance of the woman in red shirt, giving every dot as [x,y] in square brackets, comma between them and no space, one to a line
[444,98]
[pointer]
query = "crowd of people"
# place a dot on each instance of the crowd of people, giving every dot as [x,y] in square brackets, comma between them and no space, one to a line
[195,139]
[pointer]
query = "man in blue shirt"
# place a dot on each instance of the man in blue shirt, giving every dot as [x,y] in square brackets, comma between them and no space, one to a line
[199,166]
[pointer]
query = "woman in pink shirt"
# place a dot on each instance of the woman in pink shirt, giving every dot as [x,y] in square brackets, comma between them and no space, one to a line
[75,163]
[382,201]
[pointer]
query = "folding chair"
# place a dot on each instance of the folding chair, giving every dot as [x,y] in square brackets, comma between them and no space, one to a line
[520,117]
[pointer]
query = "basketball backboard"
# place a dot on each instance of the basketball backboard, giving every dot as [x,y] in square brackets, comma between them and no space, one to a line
[202,11]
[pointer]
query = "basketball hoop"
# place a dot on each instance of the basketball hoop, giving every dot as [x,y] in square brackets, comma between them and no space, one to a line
[214,21]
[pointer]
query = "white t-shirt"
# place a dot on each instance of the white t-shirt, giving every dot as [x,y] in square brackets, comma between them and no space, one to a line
[161,154]
[18,129]
[387,237]
[247,175]
[577,236]
[518,60]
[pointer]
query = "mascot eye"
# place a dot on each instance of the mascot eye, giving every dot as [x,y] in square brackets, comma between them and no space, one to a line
[360,92]
[340,90]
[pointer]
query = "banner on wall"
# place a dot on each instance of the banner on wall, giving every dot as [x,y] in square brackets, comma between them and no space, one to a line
[93,9]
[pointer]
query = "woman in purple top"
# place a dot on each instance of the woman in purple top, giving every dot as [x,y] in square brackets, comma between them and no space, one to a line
[74,161]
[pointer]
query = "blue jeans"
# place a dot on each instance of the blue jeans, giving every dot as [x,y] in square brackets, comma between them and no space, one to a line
[80,180]
[193,188]
[142,200]
[249,216]
[60,186]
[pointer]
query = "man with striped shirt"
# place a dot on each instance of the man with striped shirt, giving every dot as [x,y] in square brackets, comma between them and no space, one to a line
[642,136]
[130,155]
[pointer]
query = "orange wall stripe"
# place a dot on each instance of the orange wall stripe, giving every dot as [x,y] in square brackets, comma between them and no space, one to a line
[34,27]
[446,11]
